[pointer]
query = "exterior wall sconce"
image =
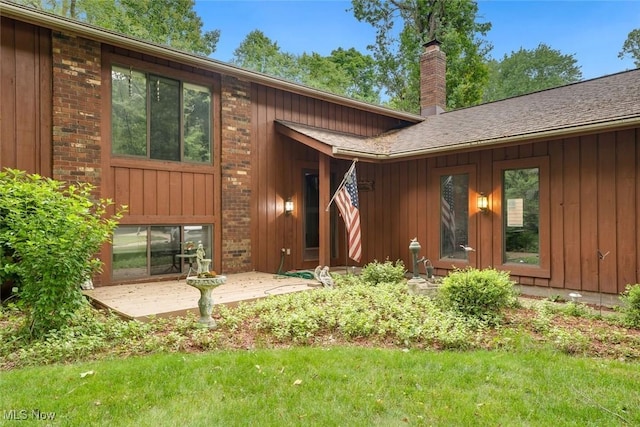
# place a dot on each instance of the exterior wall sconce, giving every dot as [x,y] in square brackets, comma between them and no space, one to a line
[483,203]
[288,206]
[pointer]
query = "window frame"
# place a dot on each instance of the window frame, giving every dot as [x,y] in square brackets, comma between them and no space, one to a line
[212,83]
[543,270]
[434,217]
[179,249]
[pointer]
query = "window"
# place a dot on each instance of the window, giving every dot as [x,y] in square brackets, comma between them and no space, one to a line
[522,218]
[454,216]
[521,211]
[159,118]
[141,251]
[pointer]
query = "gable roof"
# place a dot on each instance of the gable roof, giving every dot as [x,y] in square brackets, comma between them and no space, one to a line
[588,106]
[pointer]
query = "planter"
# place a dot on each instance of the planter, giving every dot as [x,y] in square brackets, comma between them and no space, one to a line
[205,285]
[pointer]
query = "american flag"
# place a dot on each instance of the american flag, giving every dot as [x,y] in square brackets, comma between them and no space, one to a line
[448,214]
[347,201]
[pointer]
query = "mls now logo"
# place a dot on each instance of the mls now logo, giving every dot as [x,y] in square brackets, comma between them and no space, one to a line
[23,414]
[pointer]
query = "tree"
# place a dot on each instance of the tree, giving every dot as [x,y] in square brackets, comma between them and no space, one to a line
[631,47]
[259,53]
[527,71]
[170,22]
[360,72]
[344,72]
[49,233]
[397,54]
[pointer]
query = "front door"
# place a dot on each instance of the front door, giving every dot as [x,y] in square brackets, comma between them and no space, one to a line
[310,220]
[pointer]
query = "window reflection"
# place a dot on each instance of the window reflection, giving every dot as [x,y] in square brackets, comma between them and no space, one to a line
[521,213]
[454,215]
[142,251]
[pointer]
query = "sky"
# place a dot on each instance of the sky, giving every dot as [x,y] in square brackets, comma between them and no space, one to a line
[591,30]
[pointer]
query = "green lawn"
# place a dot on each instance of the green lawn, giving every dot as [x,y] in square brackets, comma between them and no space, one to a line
[338,386]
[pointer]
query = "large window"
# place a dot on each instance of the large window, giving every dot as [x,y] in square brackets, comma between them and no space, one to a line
[141,251]
[521,213]
[454,216]
[521,224]
[159,118]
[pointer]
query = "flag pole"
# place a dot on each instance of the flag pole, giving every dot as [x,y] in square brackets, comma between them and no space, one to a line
[344,180]
[346,249]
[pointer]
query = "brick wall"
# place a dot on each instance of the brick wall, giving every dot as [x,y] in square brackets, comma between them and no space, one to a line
[76,109]
[236,175]
[433,80]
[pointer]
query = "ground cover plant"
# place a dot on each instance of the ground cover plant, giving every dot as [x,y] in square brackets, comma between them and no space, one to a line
[361,353]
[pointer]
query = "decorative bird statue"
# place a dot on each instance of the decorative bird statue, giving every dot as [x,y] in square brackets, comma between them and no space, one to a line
[467,248]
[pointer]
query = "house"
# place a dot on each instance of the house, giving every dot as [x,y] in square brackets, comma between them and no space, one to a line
[545,185]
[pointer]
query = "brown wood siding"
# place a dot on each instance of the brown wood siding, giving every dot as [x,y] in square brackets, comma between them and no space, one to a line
[160,192]
[25,97]
[593,196]
[277,161]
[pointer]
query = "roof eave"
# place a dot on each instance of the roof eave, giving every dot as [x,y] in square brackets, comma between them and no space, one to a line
[528,137]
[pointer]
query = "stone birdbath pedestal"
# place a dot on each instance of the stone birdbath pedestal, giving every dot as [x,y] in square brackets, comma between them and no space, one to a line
[205,285]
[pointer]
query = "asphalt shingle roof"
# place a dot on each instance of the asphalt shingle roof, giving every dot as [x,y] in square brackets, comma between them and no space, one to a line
[591,104]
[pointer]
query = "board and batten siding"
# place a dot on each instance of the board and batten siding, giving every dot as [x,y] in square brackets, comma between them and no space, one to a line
[25,97]
[594,190]
[277,162]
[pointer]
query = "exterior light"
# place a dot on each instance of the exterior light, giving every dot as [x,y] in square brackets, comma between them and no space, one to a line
[288,206]
[483,203]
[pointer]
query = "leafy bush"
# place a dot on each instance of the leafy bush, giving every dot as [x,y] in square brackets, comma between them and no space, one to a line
[375,272]
[340,280]
[631,309]
[49,233]
[479,294]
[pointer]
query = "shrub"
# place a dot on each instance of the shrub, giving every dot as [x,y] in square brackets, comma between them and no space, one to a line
[631,309]
[49,233]
[479,294]
[375,272]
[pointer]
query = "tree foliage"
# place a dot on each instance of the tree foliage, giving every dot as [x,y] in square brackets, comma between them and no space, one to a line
[527,71]
[343,72]
[49,234]
[397,52]
[631,47]
[170,22]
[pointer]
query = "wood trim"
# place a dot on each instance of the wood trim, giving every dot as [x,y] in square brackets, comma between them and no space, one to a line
[324,176]
[544,269]
[304,139]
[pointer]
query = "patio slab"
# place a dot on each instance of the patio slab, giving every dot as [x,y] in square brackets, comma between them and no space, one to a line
[174,297]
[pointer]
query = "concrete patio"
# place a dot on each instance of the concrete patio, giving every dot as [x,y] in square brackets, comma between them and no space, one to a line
[174,297]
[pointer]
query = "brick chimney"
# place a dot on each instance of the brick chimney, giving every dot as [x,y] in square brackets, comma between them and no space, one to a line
[433,82]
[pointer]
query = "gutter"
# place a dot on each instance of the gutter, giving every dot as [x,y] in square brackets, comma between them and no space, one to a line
[63,24]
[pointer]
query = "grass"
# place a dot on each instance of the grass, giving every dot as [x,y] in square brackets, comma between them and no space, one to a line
[331,386]
[354,355]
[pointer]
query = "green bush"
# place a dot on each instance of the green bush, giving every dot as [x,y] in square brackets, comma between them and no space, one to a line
[49,233]
[631,309]
[375,272]
[478,294]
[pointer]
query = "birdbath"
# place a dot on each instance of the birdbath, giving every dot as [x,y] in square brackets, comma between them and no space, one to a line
[205,285]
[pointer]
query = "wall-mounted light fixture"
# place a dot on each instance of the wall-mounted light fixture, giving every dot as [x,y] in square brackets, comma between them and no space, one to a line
[483,203]
[288,206]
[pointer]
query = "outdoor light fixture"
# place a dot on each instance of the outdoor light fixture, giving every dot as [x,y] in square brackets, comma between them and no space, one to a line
[483,203]
[288,206]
